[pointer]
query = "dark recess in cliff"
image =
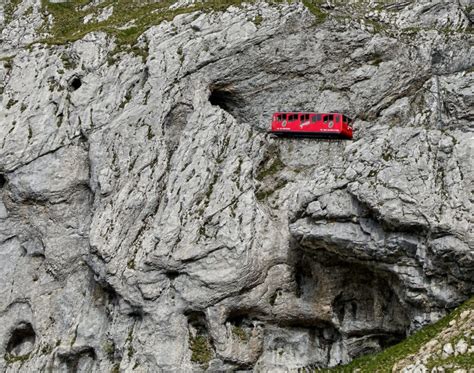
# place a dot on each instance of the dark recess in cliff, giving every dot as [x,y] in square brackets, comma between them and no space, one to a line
[75,83]
[228,99]
[22,340]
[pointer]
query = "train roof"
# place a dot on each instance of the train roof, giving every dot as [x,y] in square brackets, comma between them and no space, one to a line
[309,112]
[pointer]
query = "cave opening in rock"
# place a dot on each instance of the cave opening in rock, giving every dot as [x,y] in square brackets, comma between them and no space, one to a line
[306,282]
[75,83]
[197,322]
[22,340]
[3,181]
[228,99]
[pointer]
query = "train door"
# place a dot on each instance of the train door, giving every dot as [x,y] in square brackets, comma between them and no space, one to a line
[347,125]
[337,121]
[316,122]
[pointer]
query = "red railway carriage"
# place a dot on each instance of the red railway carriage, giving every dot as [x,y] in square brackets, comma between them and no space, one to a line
[331,125]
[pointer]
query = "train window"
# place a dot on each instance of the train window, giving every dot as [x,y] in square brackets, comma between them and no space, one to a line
[331,117]
[325,119]
[314,119]
[319,117]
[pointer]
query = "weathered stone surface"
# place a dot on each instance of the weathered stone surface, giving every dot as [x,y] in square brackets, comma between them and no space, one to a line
[148,222]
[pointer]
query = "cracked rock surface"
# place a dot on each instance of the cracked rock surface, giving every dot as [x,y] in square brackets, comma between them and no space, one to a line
[149,223]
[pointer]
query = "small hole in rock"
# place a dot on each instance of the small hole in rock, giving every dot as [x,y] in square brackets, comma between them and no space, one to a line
[75,83]
[22,340]
[2,181]
[136,313]
[172,275]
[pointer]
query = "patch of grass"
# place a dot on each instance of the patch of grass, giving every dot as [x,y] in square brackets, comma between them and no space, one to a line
[9,9]
[201,350]
[240,333]
[129,340]
[11,359]
[258,20]
[385,360]
[139,15]
[314,6]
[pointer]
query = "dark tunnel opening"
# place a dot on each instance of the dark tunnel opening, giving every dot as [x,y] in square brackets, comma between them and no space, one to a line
[75,83]
[228,99]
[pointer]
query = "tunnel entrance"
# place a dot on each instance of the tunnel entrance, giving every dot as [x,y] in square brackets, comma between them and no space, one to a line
[75,83]
[228,99]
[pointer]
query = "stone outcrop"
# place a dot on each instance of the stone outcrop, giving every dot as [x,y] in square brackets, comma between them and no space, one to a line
[148,222]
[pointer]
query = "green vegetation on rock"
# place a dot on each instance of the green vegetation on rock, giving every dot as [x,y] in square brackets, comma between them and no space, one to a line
[10,8]
[128,21]
[11,359]
[201,350]
[240,333]
[314,6]
[385,360]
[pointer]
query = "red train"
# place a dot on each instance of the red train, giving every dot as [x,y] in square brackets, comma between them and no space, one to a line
[331,125]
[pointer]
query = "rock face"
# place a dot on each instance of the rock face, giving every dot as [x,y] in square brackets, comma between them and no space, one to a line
[148,222]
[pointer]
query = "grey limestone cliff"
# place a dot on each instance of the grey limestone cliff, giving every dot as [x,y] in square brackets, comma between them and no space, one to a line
[149,223]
